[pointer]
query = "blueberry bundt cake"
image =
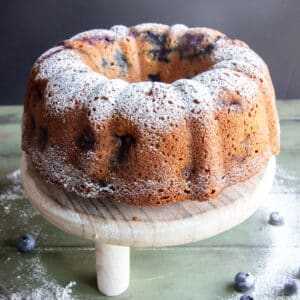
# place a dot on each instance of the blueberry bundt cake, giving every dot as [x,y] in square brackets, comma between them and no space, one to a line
[149,114]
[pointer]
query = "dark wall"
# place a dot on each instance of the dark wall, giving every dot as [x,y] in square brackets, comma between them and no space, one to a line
[270,27]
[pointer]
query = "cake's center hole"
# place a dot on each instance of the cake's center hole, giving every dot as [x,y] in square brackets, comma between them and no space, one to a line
[150,56]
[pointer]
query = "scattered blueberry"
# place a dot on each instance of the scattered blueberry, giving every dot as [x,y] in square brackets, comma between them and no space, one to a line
[276,219]
[26,243]
[244,282]
[246,297]
[290,288]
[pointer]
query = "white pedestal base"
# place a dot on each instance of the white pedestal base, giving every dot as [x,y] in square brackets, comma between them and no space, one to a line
[113,268]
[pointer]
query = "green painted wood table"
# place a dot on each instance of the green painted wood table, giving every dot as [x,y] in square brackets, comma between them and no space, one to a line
[63,266]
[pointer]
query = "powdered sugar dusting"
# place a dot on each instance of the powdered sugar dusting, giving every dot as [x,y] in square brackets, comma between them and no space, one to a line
[241,54]
[244,60]
[60,170]
[242,66]
[11,193]
[99,33]
[57,61]
[69,80]
[223,80]
[47,289]
[15,190]
[103,103]
[280,262]
[37,285]
[150,26]
[196,97]
[120,30]
[156,106]
[179,29]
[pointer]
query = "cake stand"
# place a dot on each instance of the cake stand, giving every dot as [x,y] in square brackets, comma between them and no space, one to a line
[115,227]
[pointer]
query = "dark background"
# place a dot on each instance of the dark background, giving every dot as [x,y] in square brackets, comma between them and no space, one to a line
[270,27]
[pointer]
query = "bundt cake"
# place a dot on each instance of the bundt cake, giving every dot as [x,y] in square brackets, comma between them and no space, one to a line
[149,114]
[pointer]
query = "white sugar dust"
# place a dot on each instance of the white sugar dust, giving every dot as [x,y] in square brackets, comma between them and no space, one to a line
[280,259]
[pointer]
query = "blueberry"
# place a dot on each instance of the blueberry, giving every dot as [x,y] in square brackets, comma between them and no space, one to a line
[244,282]
[86,140]
[246,297]
[209,48]
[154,77]
[43,137]
[290,288]
[276,219]
[26,243]
[126,142]
[122,61]
[157,38]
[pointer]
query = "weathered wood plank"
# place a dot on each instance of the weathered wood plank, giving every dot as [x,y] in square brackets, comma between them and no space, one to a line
[287,173]
[289,137]
[11,114]
[288,109]
[10,148]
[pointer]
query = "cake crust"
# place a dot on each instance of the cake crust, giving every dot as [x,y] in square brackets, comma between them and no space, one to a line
[149,114]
